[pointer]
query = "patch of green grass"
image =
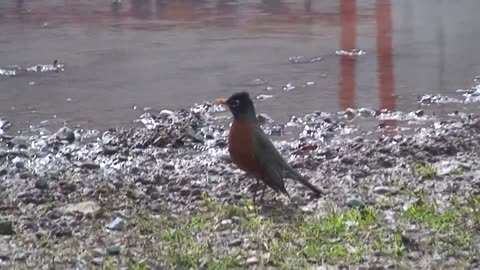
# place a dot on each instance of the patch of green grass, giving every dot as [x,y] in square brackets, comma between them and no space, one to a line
[134,265]
[455,222]
[224,262]
[425,211]
[424,170]
[344,235]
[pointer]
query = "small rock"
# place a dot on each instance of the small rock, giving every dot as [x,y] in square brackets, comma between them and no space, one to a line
[21,257]
[251,261]
[87,207]
[226,222]
[113,250]
[365,112]
[348,160]
[62,231]
[90,166]
[185,191]
[19,164]
[354,202]
[382,190]
[54,214]
[110,149]
[6,227]
[358,139]
[236,219]
[65,134]
[135,194]
[288,87]
[87,191]
[4,257]
[385,162]
[116,225]
[264,118]
[156,207]
[235,243]
[419,113]
[264,96]
[41,183]
[166,114]
[97,252]
[277,130]
[98,261]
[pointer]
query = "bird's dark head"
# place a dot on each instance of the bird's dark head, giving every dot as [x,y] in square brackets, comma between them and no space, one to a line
[241,106]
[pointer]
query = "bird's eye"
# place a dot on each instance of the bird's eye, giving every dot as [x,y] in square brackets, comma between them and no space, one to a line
[235,103]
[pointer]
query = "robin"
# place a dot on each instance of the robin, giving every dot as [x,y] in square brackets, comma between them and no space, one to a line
[253,152]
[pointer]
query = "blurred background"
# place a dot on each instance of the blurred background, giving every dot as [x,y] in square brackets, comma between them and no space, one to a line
[123,56]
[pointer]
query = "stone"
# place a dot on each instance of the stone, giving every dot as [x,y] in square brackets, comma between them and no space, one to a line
[114,250]
[382,190]
[98,261]
[117,224]
[236,219]
[251,261]
[65,134]
[355,203]
[86,207]
[41,183]
[6,227]
[235,243]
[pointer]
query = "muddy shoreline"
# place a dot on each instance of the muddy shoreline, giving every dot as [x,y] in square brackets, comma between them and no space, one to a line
[165,195]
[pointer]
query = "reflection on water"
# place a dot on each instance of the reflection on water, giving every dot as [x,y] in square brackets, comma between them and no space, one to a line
[200,49]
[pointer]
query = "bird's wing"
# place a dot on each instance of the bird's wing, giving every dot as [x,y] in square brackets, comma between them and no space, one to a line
[276,167]
[270,160]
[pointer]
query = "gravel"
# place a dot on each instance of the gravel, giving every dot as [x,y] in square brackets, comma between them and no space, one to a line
[134,197]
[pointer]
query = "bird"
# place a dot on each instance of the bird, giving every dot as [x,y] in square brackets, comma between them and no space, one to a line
[252,150]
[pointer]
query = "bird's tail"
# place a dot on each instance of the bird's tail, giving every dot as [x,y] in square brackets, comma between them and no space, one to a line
[291,173]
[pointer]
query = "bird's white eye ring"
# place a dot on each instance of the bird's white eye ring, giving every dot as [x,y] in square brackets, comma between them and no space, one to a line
[235,103]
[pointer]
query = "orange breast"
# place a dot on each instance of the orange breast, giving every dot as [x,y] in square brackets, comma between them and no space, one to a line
[241,146]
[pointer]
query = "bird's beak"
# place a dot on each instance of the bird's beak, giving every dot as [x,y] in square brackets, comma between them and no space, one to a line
[221,101]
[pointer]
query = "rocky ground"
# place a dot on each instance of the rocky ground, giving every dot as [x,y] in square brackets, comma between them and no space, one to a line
[166,196]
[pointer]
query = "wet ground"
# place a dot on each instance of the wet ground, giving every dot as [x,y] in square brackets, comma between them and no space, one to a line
[171,54]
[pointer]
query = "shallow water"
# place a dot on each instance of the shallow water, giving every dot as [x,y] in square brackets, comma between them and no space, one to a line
[122,57]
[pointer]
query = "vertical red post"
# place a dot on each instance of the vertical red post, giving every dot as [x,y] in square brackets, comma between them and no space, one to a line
[348,18]
[386,77]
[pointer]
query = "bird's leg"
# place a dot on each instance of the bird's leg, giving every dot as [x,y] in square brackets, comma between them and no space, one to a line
[255,192]
[263,192]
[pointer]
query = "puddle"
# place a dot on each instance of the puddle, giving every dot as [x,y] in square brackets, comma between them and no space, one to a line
[164,55]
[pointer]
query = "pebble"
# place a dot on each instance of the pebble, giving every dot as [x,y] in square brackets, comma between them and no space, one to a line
[65,134]
[86,207]
[354,202]
[90,166]
[98,261]
[288,87]
[117,224]
[251,261]
[236,219]
[263,96]
[348,160]
[235,243]
[6,227]
[383,190]
[41,183]
[263,118]
[166,113]
[226,222]
[113,250]
[4,257]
